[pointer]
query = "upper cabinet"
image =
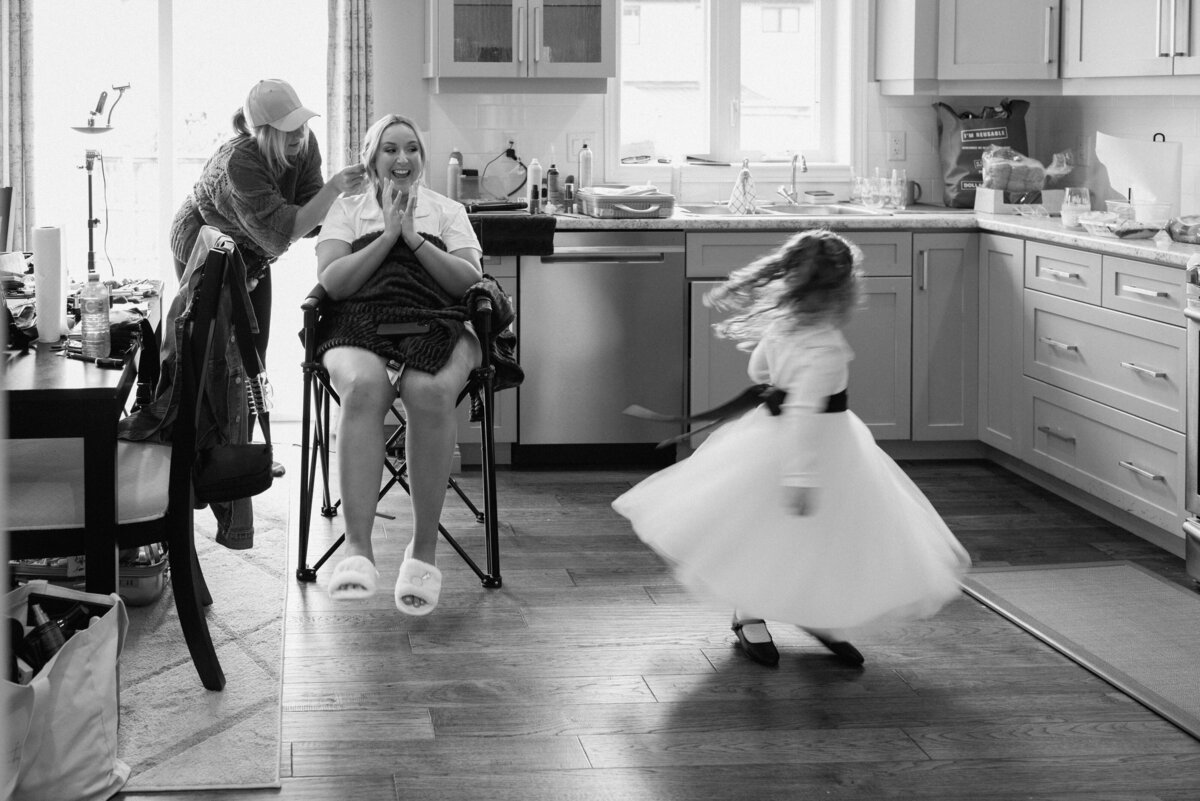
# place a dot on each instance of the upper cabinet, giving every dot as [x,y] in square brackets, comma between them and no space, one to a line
[525,40]
[982,40]
[1130,38]
[921,44]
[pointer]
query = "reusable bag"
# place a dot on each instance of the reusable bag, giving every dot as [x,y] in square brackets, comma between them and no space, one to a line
[962,138]
[62,727]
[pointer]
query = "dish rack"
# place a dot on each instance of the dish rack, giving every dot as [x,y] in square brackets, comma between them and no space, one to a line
[609,206]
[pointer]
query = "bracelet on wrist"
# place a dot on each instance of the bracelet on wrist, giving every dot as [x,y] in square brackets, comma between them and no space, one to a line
[420,245]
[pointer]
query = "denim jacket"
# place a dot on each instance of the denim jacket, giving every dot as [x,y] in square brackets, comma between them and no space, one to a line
[223,414]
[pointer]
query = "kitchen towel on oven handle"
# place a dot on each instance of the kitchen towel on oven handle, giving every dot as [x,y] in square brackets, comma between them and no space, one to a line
[962,138]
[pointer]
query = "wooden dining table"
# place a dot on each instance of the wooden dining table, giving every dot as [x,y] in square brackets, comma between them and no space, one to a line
[51,396]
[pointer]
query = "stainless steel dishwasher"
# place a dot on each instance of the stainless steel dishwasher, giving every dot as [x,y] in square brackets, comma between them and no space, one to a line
[602,325]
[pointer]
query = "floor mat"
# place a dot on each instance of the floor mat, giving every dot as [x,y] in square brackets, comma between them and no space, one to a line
[1134,629]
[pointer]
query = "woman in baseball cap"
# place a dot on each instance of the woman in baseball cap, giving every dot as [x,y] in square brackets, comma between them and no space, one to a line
[263,188]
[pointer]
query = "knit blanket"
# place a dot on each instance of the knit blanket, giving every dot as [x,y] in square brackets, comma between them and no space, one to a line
[399,291]
[402,291]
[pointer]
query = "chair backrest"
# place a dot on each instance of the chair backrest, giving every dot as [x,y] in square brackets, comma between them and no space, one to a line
[193,351]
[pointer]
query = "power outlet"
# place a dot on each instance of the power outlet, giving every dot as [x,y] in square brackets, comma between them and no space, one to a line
[575,143]
[1082,155]
[895,146]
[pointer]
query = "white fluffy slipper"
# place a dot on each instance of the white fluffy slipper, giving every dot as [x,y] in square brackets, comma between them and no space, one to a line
[418,579]
[353,578]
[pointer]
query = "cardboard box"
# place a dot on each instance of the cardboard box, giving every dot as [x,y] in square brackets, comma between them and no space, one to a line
[996,201]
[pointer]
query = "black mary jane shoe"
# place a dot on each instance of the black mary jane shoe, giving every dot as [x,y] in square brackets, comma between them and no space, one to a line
[764,653]
[840,648]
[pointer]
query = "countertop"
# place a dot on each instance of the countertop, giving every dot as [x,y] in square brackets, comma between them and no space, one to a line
[922,219]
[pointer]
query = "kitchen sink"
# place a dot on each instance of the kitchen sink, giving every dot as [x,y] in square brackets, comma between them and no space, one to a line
[718,209]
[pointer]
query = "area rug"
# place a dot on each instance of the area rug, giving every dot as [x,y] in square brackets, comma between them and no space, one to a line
[1132,628]
[176,735]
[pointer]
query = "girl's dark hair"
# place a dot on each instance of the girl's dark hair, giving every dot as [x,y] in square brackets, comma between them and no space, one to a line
[812,278]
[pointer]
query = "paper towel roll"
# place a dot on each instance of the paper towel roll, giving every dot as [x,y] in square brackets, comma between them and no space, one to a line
[1143,169]
[50,302]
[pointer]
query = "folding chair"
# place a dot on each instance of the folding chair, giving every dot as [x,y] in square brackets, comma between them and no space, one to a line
[154,480]
[319,397]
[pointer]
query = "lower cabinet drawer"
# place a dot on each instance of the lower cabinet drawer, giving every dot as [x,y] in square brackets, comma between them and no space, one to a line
[1133,464]
[1130,363]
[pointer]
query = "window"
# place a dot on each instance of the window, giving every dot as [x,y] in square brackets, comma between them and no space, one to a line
[754,79]
[189,64]
[84,47]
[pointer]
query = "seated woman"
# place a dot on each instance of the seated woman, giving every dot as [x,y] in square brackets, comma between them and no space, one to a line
[397,253]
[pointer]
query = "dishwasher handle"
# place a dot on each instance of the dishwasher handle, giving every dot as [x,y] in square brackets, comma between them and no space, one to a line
[612,253]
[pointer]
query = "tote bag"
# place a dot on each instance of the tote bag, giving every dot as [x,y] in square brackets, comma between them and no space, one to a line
[61,728]
[962,138]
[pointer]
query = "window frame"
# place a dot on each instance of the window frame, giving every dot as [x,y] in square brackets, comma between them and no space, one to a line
[841,115]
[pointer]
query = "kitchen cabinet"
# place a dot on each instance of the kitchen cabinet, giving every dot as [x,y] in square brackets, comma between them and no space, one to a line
[1104,375]
[521,39]
[980,39]
[504,416]
[1001,295]
[880,332]
[919,43]
[945,336]
[1122,38]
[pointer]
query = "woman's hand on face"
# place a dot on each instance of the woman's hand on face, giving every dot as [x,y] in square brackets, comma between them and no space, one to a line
[350,180]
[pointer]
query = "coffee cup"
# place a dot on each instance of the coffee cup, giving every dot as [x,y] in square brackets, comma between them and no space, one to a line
[912,193]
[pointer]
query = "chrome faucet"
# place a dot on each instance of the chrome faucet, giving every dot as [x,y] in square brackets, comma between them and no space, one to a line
[792,194]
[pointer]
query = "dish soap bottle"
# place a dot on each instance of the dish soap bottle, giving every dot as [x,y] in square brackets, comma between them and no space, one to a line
[94,324]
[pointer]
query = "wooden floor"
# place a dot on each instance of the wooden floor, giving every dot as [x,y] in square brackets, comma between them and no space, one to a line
[591,675]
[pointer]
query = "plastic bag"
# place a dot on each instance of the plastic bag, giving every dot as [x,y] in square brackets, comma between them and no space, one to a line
[1006,169]
[962,138]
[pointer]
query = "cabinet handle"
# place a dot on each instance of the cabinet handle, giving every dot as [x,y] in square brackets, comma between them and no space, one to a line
[1133,468]
[1054,343]
[521,33]
[1060,273]
[1137,290]
[1050,432]
[1049,27]
[1137,368]
[537,33]
[1174,40]
[1158,28]
[924,270]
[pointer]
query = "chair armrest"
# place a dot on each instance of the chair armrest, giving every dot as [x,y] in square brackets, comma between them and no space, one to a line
[316,296]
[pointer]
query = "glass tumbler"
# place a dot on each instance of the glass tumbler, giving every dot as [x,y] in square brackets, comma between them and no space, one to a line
[1077,200]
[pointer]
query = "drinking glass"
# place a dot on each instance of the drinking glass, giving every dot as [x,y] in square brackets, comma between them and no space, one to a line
[1077,200]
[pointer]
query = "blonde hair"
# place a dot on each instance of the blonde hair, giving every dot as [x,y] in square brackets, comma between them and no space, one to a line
[272,142]
[813,278]
[371,144]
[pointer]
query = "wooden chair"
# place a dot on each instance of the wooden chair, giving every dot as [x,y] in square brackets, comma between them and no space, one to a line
[155,498]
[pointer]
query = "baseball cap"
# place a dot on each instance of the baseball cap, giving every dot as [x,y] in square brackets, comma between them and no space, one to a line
[274,102]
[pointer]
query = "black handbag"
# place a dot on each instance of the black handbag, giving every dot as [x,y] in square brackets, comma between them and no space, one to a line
[225,473]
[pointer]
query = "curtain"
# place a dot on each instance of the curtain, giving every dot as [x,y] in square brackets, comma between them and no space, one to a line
[351,105]
[16,111]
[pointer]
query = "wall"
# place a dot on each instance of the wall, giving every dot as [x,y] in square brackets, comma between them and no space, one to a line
[480,124]
[1054,124]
